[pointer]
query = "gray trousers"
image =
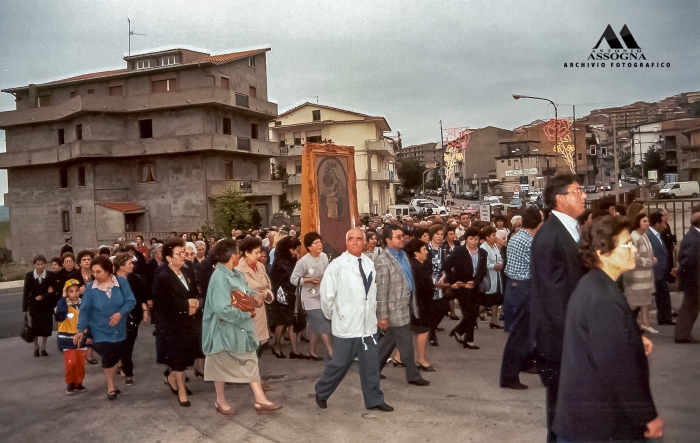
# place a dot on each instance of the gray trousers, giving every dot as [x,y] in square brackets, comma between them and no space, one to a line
[687,314]
[344,352]
[402,338]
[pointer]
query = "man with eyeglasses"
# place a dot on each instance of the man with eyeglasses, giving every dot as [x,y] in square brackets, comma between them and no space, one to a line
[556,267]
[394,293]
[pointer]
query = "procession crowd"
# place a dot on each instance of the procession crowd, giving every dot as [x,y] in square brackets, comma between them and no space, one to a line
[571,287]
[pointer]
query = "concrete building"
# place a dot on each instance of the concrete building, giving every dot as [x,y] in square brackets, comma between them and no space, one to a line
[479,158]
[521,166]
[690,164]
[675,141]
[140,149]
[426,153]
[374,151]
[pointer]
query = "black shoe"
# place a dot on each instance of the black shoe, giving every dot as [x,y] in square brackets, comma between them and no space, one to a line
[468,346]
[80,389]
[294,355]
[321,402]
[278,354]
[174,391]
[440,329]
[495,326]
[185,403]
[44,353]
[397,363]
[688,340]
[453,317]
[383,407]
[112,395]
[314,357]
[516,385]
[304,339]
[92,361]
[456,336]
[129,381]
[70,389]
[419,382]
[198,374]
[428,368]
[187,379]
[36,353]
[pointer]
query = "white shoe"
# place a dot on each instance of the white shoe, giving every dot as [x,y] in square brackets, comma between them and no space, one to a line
[649,329]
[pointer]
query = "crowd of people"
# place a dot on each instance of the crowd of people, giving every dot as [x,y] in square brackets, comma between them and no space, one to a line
[565,283]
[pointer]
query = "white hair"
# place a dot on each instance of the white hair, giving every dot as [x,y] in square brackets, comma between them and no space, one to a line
[200,242]
[516,219]
[190,245]
[502,234]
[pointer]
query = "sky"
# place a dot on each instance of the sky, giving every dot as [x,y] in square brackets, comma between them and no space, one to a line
[414,62]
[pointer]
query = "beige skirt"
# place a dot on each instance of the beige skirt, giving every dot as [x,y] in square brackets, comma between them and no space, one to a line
[232,368]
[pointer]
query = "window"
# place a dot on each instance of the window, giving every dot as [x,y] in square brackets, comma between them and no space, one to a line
[169,60]
[297,168]
[225,82]
[252,92]
[251,62]
[147,174]
[65,220]
[91,91]
[278,123]
[243,144]
[78,210]
[254,131]
[78,132]
[164,85]
[81,176]
[316,115]
[297,138]
[241,100]
[146,128]
[580,156]
[44,100]
[61,137]
[227,126]
[63,178]
[117,91]
[313,136]
[143,64]
[508,162]
[228,170]
[282,145]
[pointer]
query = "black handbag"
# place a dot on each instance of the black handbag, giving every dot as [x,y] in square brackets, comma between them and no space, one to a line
[300,318]
[27,334]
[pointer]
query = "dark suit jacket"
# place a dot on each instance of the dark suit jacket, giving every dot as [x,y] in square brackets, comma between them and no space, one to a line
[32,289]
[662,268]
[170,303]
[688,262]
[604,389]
[423,290]
[459,267]
[669,240]
[555,269]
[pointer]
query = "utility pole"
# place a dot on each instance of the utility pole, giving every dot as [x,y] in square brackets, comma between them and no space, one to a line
[617,163]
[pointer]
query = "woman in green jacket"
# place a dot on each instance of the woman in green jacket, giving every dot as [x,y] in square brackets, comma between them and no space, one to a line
[228,334]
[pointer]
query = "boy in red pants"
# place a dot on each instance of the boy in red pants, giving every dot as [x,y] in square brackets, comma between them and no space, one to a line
[67,311]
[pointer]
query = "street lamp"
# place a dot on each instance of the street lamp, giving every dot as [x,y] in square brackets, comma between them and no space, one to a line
[556,119]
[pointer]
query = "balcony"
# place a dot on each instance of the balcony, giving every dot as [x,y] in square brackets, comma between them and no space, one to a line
[248,188]
[690,148]
[90,103]
[291,150]
[671,162]
[549,170]
[131,148]
[382,147]
[294,179]
[383,176]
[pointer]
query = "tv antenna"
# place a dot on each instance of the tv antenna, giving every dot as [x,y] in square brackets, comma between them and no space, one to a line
[130,34]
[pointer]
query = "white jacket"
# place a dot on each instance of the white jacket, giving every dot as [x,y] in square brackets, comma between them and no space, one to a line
[352,313]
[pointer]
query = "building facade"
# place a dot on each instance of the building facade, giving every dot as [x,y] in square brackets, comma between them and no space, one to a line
[140,149]
[479,159]
[374,151]
[427,154]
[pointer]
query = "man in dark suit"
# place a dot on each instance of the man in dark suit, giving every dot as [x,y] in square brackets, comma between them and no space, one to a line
[669,239]
[556,268]
[662,270]
[689,273]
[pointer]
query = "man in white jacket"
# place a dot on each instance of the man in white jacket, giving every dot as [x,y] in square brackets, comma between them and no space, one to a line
[349,300]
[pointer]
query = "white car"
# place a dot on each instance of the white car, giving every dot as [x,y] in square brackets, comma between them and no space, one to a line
[429,207]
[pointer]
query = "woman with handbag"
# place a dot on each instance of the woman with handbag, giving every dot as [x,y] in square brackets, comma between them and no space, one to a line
[38,301]
[493,292]
[229,338]
[282,309]
[307,275]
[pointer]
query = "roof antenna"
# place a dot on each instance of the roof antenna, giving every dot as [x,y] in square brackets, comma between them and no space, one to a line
[130,34]
[316,98]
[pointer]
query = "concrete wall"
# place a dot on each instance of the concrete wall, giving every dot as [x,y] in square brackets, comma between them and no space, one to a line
[479,156]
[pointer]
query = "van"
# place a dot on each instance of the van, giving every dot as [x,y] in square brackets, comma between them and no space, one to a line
[399,210]
[680,189]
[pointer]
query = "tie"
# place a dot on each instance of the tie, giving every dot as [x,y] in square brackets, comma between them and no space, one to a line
[364,277]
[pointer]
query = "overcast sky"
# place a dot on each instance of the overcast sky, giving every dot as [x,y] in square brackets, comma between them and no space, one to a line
[413,62]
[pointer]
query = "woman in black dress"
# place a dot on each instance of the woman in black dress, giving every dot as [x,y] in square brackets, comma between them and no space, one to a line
[39,300]
[422,310]
[281,310]
[178,333]
[68,272]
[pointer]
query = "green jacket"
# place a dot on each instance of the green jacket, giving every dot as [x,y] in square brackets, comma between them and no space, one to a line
[225,328]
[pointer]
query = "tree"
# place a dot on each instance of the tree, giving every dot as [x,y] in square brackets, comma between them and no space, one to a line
[288,207]
[230,212]
[279,173]
[255,219]
[411,173]
[653,161]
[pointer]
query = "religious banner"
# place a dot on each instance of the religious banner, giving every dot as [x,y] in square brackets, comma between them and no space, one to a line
[328,194]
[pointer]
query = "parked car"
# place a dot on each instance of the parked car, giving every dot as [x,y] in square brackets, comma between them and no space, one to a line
[495,203]
[590,189]
[680,189]
[606,188]
[400,210]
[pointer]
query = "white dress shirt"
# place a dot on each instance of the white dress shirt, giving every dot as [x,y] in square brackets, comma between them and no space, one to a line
[569,223]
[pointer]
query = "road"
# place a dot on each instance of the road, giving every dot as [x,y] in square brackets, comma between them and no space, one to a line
[10,315]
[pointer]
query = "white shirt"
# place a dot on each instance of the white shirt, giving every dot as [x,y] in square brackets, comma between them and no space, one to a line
[353,313]
[40,277]
[569,223]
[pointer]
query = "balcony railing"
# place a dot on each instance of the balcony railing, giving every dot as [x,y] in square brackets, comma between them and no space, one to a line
[383,175]
[291,150]
[294,179]
[383,147]
[248,188]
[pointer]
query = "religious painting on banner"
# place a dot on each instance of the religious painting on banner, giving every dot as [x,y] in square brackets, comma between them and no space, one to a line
[329,194]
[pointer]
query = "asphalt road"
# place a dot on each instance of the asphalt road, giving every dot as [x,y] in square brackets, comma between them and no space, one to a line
[10,315]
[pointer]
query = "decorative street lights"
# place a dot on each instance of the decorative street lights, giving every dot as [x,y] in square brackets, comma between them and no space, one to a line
[556,118]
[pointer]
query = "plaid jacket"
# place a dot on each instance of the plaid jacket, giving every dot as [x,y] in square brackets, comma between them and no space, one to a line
[393,296]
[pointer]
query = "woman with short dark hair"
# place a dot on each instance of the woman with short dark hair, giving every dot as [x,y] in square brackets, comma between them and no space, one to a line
[229,339]
[639,282]
[421,321]
[282,308]
[39,297]
[493,295]
[69,271]
[107,301]
[178,332]
[604,392]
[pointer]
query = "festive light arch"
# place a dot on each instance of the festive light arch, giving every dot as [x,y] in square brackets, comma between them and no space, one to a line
[456,140]
[559,132]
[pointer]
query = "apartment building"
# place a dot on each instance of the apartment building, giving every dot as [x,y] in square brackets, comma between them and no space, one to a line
[140,149]
[427,154]
[374,151]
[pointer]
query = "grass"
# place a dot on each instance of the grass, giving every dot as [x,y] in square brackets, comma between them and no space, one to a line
[4,231]
[14,271]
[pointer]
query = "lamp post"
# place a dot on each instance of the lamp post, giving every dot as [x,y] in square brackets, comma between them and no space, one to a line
[556,120]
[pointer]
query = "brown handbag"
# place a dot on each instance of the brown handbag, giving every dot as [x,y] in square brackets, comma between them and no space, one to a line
[242,301]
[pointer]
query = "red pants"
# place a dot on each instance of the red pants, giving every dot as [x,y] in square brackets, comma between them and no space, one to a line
[74,361]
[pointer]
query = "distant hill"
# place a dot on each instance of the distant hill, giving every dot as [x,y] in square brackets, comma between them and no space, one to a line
[4,213]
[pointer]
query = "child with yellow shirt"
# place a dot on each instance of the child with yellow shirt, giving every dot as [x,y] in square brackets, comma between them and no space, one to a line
[66,314]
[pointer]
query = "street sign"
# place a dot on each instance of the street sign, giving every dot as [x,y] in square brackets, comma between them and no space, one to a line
[524,187]
[485,212]
[653,175]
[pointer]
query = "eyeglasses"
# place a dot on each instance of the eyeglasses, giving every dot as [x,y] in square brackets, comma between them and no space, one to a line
[628,245]
[578,191]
